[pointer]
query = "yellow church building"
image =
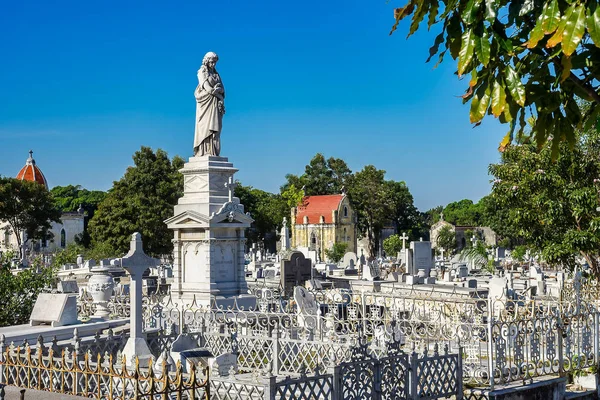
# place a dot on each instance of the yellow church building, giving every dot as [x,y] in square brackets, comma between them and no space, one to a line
[322,221]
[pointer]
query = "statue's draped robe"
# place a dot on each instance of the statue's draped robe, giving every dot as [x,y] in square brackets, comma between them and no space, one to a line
[207,138]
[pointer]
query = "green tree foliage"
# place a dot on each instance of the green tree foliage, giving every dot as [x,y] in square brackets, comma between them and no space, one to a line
[336,252]
[446,239]
[69,254]
[27,207]
[403,212]
[292,196]
[321,176]
[139,202]
[70,198]
[370,198]
[267,210]
[379,202]
[525,58]
[19,292]
[433,215]
[392,245]
[550,206]
[464,213]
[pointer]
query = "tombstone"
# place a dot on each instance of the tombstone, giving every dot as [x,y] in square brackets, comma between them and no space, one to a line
[368,273]
[412,280]
[89,264]
[429,281]
[350,260]
[535,272]
[295,271]
[223,364]
[540,287]
[500,253]
[285,235]
[422,258]
[67,287]
[498,288]
[392,277]
[259,256]
[472,283]
[183,343]
[199,357]
[258,273]
[408,261]
[269,273]
[307,307]
[54,309]
[462,271]
[79,261]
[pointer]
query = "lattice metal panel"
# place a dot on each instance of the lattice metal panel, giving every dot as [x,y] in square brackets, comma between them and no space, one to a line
[230,389]
[437,376]
[316,387]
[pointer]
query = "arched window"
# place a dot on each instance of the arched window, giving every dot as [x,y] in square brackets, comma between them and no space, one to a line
[6,238]
[345,211]
[313,241]
[63,238]
[463,243]
[345,237]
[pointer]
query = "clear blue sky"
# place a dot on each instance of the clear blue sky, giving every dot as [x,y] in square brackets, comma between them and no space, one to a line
[85,84]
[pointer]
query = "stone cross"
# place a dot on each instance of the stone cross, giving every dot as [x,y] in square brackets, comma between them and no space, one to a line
[136,262]
[474,240]
[404,239]
[230,184]
[442,252]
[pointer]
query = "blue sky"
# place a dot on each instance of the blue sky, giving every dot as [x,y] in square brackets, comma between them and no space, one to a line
[85,84]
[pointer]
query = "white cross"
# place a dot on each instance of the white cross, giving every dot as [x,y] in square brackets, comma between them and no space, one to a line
[230,184]
[442,251]
[474,240]
[404,239]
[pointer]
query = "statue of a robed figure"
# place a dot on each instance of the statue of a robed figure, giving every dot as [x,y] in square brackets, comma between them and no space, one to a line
[210,108]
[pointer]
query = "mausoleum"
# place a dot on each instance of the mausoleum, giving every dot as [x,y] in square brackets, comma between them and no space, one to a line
[322,221]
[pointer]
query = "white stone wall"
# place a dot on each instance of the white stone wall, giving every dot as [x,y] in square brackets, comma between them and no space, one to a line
[72,223]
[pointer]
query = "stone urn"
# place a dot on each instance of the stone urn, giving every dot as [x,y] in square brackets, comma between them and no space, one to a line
[421,273]
[100,287]
[433,273]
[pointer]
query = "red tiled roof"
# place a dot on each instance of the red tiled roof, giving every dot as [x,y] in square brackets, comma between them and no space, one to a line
[31,172]
[316,206]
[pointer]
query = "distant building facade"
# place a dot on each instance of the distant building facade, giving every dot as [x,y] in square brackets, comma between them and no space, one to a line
[484,233]
[62,233]
[322,221]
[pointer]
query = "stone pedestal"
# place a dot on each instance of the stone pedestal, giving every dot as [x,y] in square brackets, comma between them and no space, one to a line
[208,226]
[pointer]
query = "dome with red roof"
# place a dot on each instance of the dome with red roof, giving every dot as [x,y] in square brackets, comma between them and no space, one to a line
[31,172]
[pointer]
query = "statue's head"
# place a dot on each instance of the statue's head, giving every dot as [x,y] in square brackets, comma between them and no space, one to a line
[210,59]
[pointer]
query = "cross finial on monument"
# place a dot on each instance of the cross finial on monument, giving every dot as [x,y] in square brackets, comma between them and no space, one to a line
[404,239]
[136,262]
[230,184]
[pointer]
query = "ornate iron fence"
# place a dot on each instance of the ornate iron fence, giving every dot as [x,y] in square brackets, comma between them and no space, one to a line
[99,378]
[503,341]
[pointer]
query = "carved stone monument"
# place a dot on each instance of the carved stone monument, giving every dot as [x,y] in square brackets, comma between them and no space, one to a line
[208,227]
[295,271]
[54,309]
